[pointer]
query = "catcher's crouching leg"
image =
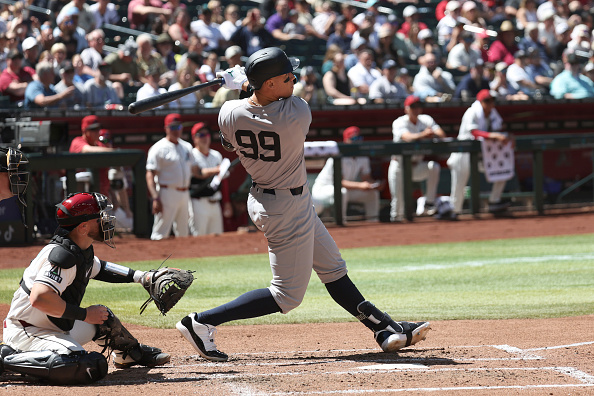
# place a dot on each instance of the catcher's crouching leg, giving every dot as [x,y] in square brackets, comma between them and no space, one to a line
[74,369]
[127,351]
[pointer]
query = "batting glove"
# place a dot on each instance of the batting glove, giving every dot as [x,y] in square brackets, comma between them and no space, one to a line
[234,77]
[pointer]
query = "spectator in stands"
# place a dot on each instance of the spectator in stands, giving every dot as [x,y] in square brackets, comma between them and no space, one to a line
[174,5]
[304,10]
[86,19]
[367,32]
[580,38]
[224,94]
[518,77]
[164,46]
[532,41]
[411,127]
[15,78]
[547,34]
[294,27]
[194,54]
[386,36]
[331,50]
[40,93]
[69,33]
[471,15]
[30,52]
[92,57]
[431,83]
[277,21]
[147,58]
[472,83]
[363,74]
[124,69]
[358,45]
[411,25]
[217,11]
[446,25]
[89,142]
[337,84]
[59,57]
[546,6]
[323,22]
[186,77]
[501,86]
[179,30]
[99,91]
[571,83]
[480,120]
[142,13]
[526,13]
[232,21]
[426,44]
[104,13]
[80,77]
[308,88]
[563,37]
[3,51]
[540,72]
[77,99]
[403,77]
[504,48]
[46,37]
[589,71]
[252,36]
[462,56]
[151,86]
[386,89]
[357,182]
[207,72]
[207,30]
[481,44]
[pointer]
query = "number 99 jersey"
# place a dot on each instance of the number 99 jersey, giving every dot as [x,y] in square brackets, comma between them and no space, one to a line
[269,139]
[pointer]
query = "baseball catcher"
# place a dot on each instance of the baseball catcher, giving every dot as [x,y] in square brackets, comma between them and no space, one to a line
[46,328]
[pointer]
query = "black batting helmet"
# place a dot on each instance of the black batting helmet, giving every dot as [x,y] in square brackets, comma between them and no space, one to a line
[267,63]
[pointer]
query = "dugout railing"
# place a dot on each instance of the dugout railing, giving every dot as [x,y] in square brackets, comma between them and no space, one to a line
[535,144]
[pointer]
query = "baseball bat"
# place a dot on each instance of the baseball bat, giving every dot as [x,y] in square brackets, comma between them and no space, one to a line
[164,98]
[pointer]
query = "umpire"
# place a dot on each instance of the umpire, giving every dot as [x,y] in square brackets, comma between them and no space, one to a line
[46,327]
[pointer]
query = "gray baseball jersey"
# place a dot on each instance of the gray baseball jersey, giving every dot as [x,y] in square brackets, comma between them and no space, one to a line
[269,141]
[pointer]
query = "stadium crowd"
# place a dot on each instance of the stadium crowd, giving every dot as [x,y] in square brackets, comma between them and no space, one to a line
[55,54]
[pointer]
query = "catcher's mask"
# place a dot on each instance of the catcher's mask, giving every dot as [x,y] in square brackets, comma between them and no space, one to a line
[80,207]
[16,165]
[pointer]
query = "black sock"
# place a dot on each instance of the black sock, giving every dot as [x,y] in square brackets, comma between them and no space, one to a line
[252,304]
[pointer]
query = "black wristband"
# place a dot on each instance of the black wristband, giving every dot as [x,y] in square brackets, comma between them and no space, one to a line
[73,312]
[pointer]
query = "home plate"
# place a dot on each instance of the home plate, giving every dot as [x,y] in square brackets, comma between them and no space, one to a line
[394,366]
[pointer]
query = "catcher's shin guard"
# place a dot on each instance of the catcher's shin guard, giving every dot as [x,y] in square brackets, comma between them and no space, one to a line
[127,350]
[390,335]
[73,369]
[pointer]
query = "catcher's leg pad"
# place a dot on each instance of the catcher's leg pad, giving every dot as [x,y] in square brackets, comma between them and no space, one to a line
[74,369]
[114,336]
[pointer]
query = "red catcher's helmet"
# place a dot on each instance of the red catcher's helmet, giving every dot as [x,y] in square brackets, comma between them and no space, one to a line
[81,207]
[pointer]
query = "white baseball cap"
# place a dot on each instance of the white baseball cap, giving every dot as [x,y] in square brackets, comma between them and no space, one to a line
[561,28]
[29,43]
[232,51]
[452,5]
[425,34]
[410,11]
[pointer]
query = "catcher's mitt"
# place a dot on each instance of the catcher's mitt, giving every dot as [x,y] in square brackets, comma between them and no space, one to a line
[166,287]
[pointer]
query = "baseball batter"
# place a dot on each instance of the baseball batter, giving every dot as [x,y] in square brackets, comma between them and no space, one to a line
[478,121]
[268,131]
[411,127]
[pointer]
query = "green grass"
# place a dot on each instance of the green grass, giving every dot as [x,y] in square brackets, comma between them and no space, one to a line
[516,278]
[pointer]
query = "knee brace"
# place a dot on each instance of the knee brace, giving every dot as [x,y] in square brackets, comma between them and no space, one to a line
[73,369]
[114,336]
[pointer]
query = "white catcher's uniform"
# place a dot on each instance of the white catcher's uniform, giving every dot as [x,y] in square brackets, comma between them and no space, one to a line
[269,141]
[459,163]
[27,328]
[206,216]
[174,163]
[422,170]
[322,191]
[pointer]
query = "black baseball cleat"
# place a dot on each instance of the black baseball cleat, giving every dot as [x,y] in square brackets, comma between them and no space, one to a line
[149,357]
[5,350]
[412,333]
[201,336]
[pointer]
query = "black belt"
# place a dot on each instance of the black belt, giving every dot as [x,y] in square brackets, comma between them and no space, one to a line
[294,191]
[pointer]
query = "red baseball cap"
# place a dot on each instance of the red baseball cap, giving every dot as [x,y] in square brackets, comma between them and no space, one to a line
[412,99]
[483,94]
[197,127]
[350,132]
[90,122]
[173,118]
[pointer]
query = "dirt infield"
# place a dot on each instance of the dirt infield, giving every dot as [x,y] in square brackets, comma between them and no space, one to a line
[503,357]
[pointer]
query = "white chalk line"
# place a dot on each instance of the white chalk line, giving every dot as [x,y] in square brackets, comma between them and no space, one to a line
[481,263]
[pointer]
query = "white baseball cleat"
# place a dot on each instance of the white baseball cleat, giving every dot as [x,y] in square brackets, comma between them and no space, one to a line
[413,333]
[201,336]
